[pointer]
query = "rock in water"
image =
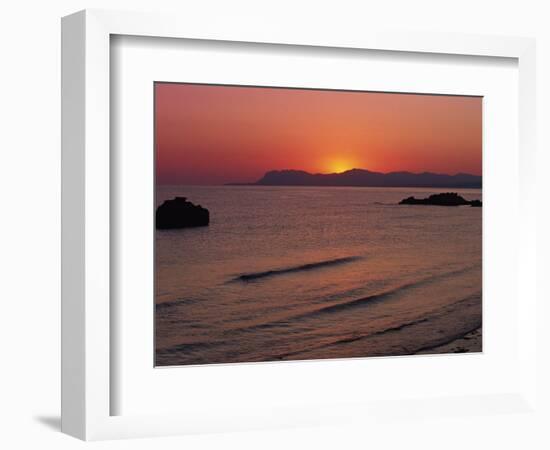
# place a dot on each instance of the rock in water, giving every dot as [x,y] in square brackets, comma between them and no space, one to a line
[179,213]
[444,199]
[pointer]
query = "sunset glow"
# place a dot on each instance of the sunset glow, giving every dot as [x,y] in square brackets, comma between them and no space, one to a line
[208,134]
[337,165]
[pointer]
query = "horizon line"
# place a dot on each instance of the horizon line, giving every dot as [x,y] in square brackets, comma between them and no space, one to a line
[374,171]
[319,173]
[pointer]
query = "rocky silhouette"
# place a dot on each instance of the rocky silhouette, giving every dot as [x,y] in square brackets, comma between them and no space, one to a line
[179,213]
[444,199]
[367,178]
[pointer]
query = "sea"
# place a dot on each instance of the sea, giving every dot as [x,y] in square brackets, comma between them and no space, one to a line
[300,273]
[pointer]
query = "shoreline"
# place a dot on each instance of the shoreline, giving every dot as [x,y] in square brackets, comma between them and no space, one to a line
[471,342]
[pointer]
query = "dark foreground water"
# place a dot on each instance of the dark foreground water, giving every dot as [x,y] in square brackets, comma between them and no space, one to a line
[309,273]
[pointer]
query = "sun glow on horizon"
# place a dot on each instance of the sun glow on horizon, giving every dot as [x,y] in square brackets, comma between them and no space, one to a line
[340,165]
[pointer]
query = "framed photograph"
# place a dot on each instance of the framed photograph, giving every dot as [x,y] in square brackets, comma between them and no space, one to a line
[267,228]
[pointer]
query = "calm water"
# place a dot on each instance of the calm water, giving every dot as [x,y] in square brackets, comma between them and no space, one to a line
[306,272]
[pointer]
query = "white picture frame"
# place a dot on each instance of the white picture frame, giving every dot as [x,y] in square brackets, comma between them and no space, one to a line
[87,385]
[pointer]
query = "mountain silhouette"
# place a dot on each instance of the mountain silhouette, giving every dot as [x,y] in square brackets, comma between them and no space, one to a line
[362,177]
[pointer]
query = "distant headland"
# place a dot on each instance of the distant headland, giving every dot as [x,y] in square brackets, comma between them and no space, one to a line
[366,178]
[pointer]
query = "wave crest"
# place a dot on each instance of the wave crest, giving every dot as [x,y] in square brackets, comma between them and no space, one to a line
[310,266]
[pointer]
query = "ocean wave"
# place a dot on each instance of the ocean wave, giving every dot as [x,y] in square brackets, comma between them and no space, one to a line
[353,303]
[363,301]
[188,347]
[384,294]
[198,347]
[437,313]
[310,266]
[159,307]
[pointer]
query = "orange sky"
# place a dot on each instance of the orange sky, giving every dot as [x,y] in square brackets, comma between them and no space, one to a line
[208,134]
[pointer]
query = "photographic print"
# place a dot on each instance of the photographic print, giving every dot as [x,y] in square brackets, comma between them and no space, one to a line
[301,224]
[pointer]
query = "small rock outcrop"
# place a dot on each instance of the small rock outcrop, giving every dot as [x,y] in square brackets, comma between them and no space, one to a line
[444,199]
[179,213]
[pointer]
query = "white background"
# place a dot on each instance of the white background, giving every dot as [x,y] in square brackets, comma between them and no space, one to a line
[30,187]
